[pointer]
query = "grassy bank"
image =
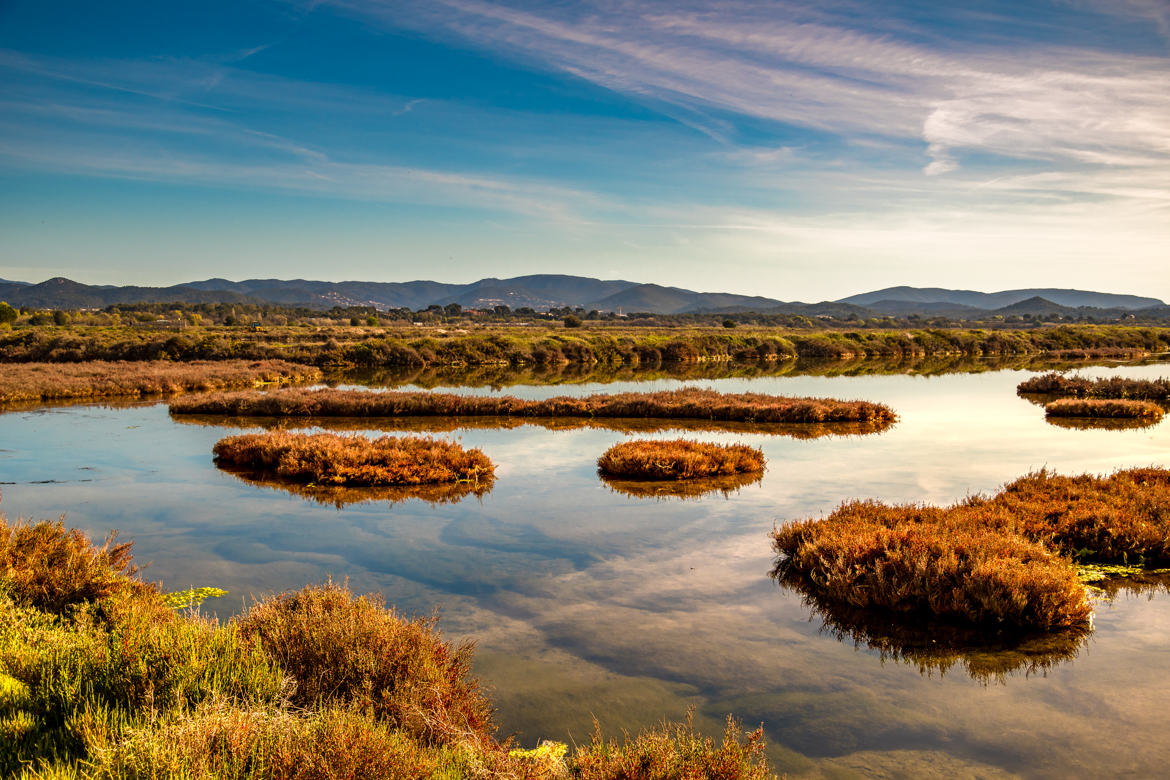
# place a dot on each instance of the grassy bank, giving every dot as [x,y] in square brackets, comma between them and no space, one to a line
[679,459]
[1126,409]
[1083,387]
[1002,562]
[330,459]
[684,404]
[101,379]
[537,344]
[101,678]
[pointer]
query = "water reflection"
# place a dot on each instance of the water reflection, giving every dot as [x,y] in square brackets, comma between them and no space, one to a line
[1100,423]
[937,646]
[436,424]
[341,496]
[498,377]
[663,489]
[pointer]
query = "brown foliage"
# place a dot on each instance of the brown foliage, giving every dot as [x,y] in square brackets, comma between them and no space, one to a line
[687,403]
[329,459]
[48,381]
[674,752]
[924,560]
[679,459]
[354,651]
[991,560]
[53,568]
[1083,387]
[1104,408]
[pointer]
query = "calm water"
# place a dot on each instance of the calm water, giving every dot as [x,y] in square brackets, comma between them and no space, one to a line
[587,601]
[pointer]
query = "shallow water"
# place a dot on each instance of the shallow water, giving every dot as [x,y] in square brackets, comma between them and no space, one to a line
[589,601]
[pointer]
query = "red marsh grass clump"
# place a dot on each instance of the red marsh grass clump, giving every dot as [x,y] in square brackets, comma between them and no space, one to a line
[329,459]
[1004,561]
[687,403]
[1083,387]
[98,378]
[1126,409]
[679,459]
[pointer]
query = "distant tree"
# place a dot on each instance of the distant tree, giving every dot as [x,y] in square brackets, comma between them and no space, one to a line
[7,313]
[371,320]
[453,310]
[60,318]
[572,321]
[354,321]
[40,318]
[729,323]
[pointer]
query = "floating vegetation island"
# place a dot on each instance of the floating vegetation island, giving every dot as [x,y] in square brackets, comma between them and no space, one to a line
[330,459]
[684,404]
[679,459]
[1004,562]
[1083,387]
[1105,408]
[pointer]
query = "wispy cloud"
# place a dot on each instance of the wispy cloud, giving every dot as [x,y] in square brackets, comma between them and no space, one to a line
[810,68]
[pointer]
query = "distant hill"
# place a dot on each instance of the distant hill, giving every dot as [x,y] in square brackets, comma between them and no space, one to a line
[545,291]
[998,300]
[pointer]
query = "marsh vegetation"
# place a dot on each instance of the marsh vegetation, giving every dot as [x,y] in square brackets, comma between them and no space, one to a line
[102,379]
[1107,408]
[679,459]
[1056,384]
[684,404]
[330,459]
[1004,561]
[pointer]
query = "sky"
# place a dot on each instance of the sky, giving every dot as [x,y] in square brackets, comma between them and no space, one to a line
[797,150]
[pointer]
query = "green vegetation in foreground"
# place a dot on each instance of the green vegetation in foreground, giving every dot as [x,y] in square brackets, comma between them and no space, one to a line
[1005,562]
[605,344]
[101,677]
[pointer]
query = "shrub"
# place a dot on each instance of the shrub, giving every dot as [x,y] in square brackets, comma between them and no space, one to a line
[673,752]
[1083,387]
[679,459]
[50,568]
[572,321]
[353,651]
[330,459]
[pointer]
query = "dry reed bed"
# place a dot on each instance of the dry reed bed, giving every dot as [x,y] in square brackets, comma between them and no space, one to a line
[102,677]
[329,459]
[1083,387]
[95,379]
[679,459]
[1003,561]
[1147,411]
[687,403]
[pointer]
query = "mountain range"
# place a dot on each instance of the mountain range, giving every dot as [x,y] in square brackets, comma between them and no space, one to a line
[545,291]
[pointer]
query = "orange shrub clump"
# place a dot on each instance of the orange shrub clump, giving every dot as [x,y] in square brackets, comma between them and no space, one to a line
[329,459]
[1003,561]
[1108,408]
[679,459]
[687,403]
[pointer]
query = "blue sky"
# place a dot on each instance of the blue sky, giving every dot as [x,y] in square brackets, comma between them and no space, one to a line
[801,151]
